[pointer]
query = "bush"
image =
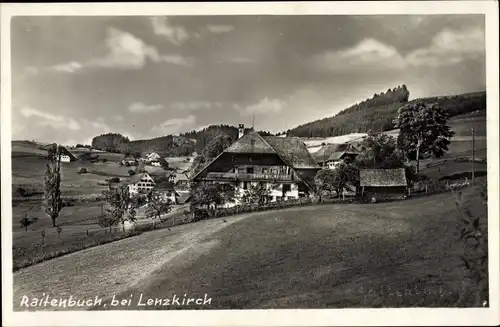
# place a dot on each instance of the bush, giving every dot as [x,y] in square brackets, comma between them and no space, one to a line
[20,192]
[200,214]
[104,160]
[83,171]
[131,172]
[114,180]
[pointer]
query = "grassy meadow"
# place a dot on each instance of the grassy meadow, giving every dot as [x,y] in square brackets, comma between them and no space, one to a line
[398,254]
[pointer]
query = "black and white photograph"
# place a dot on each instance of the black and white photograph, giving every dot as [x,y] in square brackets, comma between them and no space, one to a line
[210,161]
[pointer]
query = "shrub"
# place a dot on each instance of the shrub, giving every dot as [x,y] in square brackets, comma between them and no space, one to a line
[83,171]
[21,192]
[131,172]
[104,160]
[114,180]
[200,214]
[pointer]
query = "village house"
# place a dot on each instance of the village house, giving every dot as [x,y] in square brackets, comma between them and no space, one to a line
[383,184]
[282,165]
[152,157]
[167,192]
[129,161]
[330,155]
[141,183]
[66,155]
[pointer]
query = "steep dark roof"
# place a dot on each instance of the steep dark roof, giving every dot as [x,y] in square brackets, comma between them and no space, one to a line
[383,177]
[65,151]
[250,143]
[293,151]
[184,197]
[136,178]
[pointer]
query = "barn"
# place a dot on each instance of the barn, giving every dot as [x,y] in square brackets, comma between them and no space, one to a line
[383,184]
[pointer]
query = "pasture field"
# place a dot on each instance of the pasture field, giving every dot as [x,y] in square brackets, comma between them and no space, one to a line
[461,125]
[397,254]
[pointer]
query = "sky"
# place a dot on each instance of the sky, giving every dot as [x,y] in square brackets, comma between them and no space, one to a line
[74,78]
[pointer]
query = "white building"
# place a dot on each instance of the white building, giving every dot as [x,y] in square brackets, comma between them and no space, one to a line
[65,158]
[141,183]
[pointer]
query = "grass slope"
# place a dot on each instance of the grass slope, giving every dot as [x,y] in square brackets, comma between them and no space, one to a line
[398,254]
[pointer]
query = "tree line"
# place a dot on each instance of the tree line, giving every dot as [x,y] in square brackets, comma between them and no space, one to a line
[378,113]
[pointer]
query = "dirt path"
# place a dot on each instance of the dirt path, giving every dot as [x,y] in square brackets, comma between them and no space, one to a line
[114,267]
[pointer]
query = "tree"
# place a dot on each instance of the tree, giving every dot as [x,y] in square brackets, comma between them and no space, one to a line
[140,168]
[157,205]
[256,194]
[344,174]
[423,130]
[216,146]
[379,150]
[25,222]
[212,195]
[52,180]
[324,181]
[336,179]
[122,205]
[110,142]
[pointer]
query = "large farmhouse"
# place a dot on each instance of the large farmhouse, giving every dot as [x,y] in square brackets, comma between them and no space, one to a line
[282,165]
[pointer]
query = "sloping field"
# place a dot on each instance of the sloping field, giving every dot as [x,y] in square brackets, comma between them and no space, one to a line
[398,254]
[461,125]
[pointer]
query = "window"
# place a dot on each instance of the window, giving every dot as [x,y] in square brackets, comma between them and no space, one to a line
[245,185]
[286,188]
[265,170]
[249,170]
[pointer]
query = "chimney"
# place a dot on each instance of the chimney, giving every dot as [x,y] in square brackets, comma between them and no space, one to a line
[241,130]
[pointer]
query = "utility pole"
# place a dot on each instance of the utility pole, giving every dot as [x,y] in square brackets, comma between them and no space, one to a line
[473,154]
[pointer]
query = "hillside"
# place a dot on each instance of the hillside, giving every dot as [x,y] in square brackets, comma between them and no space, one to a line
[205,135]
[378,112]
[170,145]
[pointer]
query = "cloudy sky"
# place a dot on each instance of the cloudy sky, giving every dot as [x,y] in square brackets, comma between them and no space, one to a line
[77,77]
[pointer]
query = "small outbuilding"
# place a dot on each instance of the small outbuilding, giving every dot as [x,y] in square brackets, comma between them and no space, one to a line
[383,184]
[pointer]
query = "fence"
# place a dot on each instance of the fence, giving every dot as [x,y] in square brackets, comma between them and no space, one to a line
[458,159]
[436,186]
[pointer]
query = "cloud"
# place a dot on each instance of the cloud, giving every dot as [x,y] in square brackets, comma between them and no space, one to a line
[220,28]
[174,125]
[119,118]
[450,47]
[50,120]
[192,105]
[241,60]
[367,54]
[175,59]
[174,34]
[139,107]
[265,107]
[124,51]
[71,67]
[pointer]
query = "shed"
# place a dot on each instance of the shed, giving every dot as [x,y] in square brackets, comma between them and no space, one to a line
[383,183]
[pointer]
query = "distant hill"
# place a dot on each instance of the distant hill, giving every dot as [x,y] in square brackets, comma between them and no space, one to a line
[378,112]
[204,136]
[169,145]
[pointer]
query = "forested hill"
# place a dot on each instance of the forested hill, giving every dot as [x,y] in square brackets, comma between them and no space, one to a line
[205,135]
[169,145]
[378,112]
